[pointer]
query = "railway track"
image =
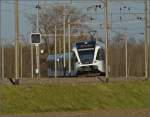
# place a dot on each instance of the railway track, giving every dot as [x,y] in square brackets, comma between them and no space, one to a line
[72,80]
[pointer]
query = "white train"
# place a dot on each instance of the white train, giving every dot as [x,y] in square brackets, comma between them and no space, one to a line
[88,56]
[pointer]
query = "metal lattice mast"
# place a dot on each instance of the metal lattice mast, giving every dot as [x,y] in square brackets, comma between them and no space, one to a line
[69,48]
[146,37]
[55,52]
[16,40]
[64,39]
[37,46]
[106,34]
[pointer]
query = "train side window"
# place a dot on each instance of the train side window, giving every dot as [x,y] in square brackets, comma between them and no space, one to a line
[100,54]
[74,58]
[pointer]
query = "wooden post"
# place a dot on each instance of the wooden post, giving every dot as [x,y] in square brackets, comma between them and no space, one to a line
[145,38]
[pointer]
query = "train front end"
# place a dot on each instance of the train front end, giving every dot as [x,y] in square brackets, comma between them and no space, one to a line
[88,57]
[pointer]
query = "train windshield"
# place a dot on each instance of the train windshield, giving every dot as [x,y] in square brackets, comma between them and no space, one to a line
[86,56]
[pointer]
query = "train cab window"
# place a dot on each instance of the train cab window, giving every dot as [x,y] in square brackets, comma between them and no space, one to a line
[100,54]
[86,56]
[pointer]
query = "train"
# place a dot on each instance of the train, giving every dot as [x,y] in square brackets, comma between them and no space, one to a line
[88,56]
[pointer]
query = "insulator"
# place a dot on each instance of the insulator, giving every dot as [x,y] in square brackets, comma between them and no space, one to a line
[124,7]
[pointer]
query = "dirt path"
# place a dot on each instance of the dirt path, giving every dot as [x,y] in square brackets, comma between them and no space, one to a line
[100,113]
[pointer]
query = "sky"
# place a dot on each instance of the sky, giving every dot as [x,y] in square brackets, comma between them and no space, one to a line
[129,22]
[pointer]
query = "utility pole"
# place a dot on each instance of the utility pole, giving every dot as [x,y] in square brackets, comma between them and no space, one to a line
[37,45]
[64,40]
[69,46]
[21,59]
[149,39]
[146,37]
[126,54]
[106,35]
[96,36]
[32,61]
[16,40]
[55,52]
[2,44]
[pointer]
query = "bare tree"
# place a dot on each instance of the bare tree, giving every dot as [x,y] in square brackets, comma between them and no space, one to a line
[53,15]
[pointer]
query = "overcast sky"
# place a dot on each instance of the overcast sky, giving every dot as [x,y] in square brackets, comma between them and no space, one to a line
[133,26]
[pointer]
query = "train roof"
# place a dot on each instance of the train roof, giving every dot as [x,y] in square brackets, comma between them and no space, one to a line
[88,44]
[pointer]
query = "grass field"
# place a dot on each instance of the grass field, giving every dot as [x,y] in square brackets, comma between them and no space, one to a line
[77,97]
